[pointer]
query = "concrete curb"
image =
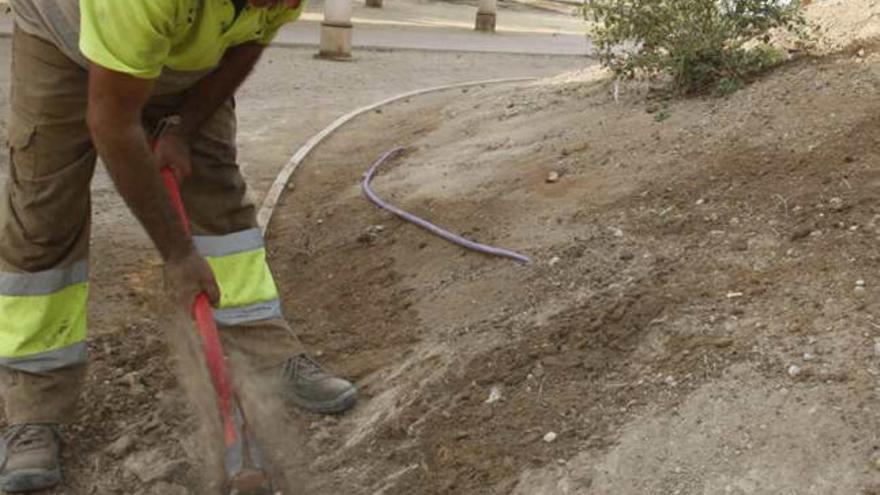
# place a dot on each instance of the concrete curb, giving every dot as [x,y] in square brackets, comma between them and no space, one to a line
[264,215]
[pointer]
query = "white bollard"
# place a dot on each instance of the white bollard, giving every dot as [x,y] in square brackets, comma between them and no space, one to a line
[486,15]
[336,30]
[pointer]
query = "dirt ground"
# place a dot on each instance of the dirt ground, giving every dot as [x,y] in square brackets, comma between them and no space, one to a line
[701,316]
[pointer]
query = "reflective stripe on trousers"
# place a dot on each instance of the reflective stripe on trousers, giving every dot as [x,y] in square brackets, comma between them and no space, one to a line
[43,318]
[247,289]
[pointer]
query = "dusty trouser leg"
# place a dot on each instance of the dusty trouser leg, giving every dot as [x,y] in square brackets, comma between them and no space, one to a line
[225,231]
[254,330]
[44,235]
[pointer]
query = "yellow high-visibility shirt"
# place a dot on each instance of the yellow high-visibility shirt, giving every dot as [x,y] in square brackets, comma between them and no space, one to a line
[141,37]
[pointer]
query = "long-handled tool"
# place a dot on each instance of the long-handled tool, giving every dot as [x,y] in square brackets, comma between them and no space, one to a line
[245,473]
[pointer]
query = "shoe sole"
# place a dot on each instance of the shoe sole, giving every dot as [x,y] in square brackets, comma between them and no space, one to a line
[339,405]
[30,480]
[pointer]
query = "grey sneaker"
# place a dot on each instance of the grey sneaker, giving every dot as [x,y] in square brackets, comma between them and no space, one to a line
[31,459]
[311,388]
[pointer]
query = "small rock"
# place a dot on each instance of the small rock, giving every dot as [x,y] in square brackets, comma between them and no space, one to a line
[860,283]
[669,380]
[554,260]
[320,437]
[794,370]
[121,446]
[734,295]
[700,201]
[836,204]
[494,395]
[371,236]
[553,177]
[739,244]
[550,437]
[538,370]
[152,465]
[808,356]
[330,420]
[801,233]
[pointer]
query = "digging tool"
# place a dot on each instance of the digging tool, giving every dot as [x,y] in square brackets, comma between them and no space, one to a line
[245,473]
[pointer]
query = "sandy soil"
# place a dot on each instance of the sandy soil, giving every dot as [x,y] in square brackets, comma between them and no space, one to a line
[700,318]
[694,322]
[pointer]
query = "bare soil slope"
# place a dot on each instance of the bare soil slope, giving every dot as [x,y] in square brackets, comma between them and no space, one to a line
[700,317]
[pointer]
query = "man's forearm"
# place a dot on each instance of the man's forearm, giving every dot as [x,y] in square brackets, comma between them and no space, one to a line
[114,117]
[206,97]
[129,159]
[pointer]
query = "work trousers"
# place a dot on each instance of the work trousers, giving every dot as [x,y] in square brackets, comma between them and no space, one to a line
[45,227]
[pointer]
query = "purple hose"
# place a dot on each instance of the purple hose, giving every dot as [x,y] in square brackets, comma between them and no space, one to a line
[430,227]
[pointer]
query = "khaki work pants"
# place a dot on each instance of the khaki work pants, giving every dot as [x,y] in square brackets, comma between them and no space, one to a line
[45,211]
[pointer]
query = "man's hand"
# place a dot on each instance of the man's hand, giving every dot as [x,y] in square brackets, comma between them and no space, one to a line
[187,277]
[172,151]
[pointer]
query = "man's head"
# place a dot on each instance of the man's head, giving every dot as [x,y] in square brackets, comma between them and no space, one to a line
[271,3]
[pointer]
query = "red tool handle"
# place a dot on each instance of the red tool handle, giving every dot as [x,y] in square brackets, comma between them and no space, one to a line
[204,318]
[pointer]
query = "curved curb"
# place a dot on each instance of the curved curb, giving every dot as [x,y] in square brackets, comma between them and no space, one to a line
[264,215]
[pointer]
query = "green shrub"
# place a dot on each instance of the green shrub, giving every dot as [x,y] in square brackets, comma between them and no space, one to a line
[702,45]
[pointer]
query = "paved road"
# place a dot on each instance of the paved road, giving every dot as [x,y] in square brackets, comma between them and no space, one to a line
[444,39]
[376,36]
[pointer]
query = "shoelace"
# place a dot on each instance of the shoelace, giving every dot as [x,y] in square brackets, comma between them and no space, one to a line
[301,366]
[24,438]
